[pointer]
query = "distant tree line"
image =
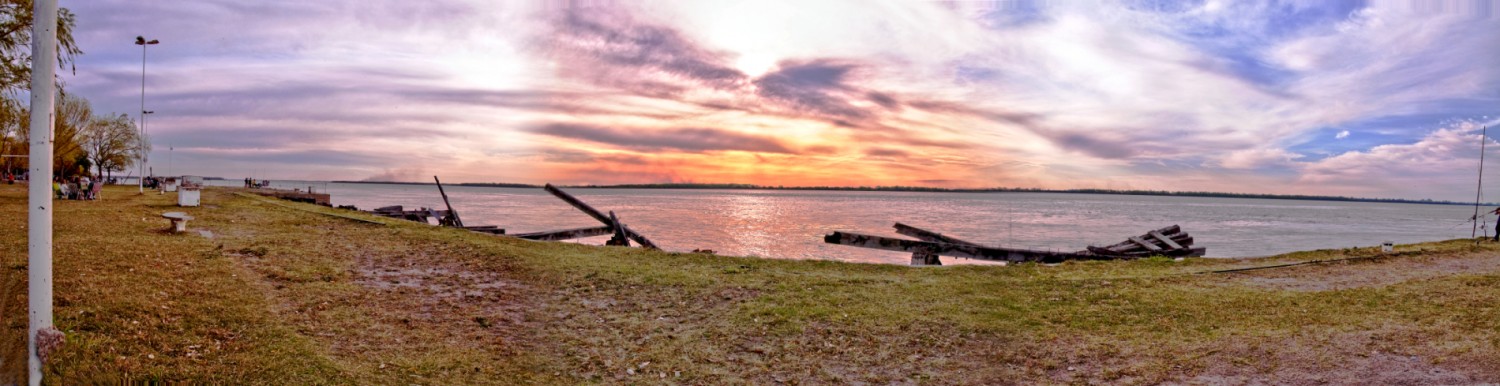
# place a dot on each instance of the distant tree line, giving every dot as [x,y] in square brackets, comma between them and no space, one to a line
[84,142]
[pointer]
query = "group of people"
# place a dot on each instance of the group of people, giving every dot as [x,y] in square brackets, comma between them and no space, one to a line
[77,188]
[254,183]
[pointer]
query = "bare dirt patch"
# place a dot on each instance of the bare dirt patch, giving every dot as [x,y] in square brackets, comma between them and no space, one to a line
[1369,273]
[1366,357]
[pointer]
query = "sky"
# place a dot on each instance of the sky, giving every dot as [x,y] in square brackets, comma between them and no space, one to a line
[1380,99]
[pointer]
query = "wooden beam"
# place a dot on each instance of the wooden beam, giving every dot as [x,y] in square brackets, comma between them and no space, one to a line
[619,238]
[1165,240]
[582,207]
[1143,243]
[451,213]
[1127,245]
[926,235]
[491,229]
[955,250]
[589,210]
[565,234]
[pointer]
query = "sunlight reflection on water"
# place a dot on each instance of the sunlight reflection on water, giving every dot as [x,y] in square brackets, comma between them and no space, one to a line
[790,224]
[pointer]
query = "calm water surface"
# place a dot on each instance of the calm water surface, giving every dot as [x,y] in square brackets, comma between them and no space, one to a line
[791,224]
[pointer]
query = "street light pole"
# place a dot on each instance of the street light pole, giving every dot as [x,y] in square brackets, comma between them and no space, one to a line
[141,41]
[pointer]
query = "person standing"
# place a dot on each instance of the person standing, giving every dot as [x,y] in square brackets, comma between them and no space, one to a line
[1497,224]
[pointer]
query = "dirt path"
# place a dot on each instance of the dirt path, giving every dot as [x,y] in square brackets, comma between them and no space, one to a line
[387,307]
[1370,273]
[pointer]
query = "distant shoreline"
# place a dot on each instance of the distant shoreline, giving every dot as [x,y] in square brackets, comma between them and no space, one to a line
[1296,197]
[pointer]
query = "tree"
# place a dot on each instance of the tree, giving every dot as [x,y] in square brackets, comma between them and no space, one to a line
[111,141]
[74,115]
[15,44]
[15,71]
[13,119]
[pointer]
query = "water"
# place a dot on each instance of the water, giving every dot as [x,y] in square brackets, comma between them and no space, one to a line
[791,224]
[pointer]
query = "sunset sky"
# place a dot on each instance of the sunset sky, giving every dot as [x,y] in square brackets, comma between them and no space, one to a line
[1380,99]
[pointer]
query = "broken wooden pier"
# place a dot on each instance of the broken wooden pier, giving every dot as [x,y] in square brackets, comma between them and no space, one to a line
[447,218]
[1169,241]
[623,235]
[612,225]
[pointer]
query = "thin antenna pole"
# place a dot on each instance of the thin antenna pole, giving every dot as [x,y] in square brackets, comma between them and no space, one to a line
[1483,134]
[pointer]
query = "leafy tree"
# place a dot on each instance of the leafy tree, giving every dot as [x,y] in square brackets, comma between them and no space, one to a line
[111,142]
[12,122]
[15,44]
[74,115]
[15,72]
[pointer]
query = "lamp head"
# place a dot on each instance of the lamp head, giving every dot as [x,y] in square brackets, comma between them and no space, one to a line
[141,41]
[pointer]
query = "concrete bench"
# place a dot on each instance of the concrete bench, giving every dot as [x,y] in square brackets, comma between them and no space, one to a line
[179,220]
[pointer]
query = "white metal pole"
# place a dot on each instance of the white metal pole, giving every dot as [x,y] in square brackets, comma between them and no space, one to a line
[39,198]
[141,182]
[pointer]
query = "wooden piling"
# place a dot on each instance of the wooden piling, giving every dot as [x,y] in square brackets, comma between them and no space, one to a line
[453,215]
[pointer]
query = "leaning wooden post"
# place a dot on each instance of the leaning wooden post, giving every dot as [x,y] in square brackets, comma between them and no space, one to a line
[619,238]
[451,212]
[589,210]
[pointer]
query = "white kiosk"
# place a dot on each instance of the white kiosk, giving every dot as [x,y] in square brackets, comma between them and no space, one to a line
[189,194]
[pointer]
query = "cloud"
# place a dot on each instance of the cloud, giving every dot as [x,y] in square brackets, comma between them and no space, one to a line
[608,46]
[1207,94]
[1440,165]
[818,87]
[887,152]
[680,139]
[1256,158]
[398,175]
[1443,151]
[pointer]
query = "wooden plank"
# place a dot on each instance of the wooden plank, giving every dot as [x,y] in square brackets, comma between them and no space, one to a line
[1144,253]
[1149,246]
[454,215]
[589,210]
[1165,240]
[565,234]
[955,250]
[492,229]
[926,235]
[1130,246]
[582,207]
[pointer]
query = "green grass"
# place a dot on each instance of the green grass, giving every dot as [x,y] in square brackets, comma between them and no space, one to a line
[283,295]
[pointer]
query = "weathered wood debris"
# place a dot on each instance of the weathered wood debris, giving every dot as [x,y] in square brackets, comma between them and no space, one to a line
[1169,241]
[447,218]
[622,234]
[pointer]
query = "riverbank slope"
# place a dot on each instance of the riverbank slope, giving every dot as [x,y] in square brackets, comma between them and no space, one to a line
[263,291]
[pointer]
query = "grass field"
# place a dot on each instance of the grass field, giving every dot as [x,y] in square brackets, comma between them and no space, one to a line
[271,292]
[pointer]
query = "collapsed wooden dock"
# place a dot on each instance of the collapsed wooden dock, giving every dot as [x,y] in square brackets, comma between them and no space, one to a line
[1169,241]
[622,234]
